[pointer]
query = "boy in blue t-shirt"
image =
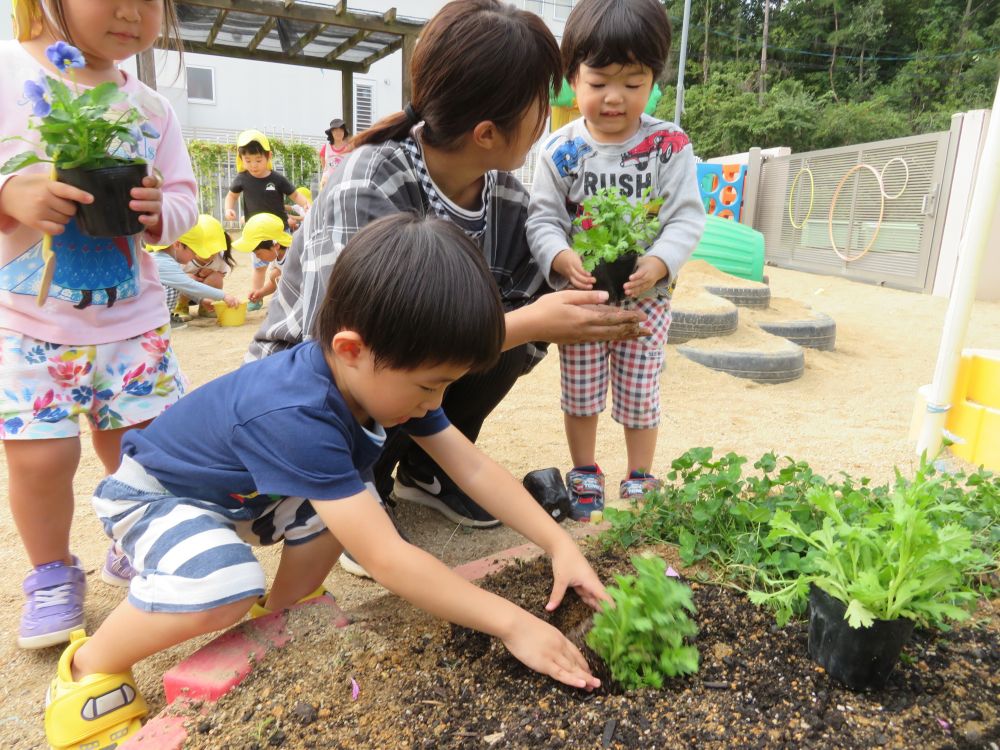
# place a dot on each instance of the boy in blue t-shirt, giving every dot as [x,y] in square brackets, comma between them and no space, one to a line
[278,451]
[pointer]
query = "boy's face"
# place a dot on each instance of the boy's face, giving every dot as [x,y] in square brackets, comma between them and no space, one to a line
[268,254]
[256,164]
[612,99]
[391,397]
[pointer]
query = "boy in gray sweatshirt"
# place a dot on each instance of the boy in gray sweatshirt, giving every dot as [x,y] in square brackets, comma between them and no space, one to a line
[613,51]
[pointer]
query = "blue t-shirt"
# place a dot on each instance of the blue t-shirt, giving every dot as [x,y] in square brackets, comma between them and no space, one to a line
[274,428]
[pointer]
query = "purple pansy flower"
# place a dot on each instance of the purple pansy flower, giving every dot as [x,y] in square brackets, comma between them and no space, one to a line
[64,56]
[38,95]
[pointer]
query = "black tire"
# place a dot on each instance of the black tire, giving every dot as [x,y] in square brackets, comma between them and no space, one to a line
[744,296]
[685,326]
[762,367]
[819,332]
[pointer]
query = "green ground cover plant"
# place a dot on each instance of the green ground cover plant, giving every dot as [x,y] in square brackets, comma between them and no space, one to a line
[642,638]
[717,512]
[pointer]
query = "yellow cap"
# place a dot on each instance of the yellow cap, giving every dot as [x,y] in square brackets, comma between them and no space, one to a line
[206,238]
[248,136]
[306,192]
[261,228]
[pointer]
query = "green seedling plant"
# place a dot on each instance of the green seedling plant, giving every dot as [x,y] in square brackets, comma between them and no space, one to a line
[717,512]
[904,558]
[612,226]
[642,638]
[88,129]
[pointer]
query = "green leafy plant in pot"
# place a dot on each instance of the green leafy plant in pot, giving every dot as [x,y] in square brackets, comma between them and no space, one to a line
[873,571]
[613,232]
[91,142]
[644,637]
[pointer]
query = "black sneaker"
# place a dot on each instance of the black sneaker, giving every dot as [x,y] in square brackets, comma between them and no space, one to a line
[177,322]
[444,497]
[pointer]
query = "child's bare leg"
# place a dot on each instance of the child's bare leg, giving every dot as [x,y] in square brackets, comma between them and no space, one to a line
[108,445]
[302,569]
[40,474]
[130,634]
[581,434]
[640,445]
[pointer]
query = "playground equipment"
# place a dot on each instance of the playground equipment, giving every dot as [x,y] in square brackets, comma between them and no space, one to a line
[721,187]
[973,421]
[732,247]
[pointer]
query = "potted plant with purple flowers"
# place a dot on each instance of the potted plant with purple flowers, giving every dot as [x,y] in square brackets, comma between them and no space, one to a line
[91,141]
[613,233]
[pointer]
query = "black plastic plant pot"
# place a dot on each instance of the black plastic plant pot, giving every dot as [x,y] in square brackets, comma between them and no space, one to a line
[861,658]
[548,488]
[611,277]
[109,214]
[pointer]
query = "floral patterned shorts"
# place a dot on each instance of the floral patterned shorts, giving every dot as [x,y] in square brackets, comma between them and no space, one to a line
[44,387]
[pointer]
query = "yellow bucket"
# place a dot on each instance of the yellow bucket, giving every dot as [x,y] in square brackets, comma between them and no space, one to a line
[230,316]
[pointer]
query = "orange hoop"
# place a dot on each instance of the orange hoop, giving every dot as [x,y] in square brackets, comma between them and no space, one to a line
[881,211]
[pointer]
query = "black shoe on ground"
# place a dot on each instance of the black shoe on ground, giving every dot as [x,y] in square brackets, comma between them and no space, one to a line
[442,496]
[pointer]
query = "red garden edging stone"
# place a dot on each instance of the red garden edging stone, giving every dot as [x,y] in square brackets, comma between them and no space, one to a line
[223,663]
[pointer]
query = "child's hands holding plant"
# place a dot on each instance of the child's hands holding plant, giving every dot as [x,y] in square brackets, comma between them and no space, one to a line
[147,201]
[34,200]
[648,271]
[569,265]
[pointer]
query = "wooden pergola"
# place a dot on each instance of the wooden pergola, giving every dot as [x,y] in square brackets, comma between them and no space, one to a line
[315,35]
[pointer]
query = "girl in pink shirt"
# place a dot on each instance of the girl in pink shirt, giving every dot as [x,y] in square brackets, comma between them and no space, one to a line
[99,345]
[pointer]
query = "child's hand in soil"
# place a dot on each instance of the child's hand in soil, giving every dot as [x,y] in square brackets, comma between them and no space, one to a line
[568,265]
[543,648]
[570,568]
[648,271]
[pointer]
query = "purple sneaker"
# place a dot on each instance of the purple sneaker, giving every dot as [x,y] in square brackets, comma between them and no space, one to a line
[54,608]
[117,570]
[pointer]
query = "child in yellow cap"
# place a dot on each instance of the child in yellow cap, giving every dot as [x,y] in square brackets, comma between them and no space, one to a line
[263,189]
[264,235]
[204,240]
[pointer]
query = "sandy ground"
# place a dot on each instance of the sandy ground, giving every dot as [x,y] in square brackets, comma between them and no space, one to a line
[850,412]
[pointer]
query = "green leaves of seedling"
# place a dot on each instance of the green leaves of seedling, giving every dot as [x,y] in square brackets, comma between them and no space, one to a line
[611,226]
[643,636]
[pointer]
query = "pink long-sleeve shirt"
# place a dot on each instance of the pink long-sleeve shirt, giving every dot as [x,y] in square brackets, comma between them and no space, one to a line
[114,270]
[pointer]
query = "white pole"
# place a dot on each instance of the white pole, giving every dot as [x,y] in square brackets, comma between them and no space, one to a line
[971,251]
[679,106]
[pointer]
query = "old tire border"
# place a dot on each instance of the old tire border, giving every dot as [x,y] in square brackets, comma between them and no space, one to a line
[819,332]
[762,367]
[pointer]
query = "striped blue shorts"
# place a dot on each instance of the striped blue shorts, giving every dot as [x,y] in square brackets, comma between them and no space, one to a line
[191,555]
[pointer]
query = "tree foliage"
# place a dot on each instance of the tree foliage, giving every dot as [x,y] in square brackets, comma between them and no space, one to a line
[838,71]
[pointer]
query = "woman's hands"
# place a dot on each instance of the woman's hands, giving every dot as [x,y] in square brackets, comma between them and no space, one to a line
[572,317]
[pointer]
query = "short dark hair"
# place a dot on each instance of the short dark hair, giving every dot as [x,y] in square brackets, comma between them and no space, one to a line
[418,292]
[253,148]
[599,33]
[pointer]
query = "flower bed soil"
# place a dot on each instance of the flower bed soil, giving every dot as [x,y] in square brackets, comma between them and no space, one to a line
[426,684]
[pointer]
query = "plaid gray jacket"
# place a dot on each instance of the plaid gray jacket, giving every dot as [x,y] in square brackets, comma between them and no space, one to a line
[375,181]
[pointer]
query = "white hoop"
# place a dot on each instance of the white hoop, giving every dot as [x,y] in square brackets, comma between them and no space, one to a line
[906,180]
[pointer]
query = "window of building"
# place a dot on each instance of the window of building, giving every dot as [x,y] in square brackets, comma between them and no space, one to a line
[561,9]
[364,105]
[200,84]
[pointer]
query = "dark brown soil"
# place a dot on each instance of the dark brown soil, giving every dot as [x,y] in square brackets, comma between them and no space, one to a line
[426,684]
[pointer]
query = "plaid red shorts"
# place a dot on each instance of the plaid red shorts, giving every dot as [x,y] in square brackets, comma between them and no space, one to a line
[634,367]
